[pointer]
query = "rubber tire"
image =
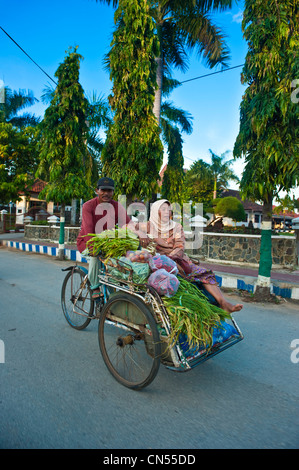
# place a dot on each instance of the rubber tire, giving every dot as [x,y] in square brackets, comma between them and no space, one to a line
[123,297]
[80,325]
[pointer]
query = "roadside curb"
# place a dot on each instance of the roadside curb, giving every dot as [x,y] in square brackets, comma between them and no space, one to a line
[50,250]
[227,280]
[248,283]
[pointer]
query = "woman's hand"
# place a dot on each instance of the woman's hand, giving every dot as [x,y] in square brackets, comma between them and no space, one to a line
[143,238]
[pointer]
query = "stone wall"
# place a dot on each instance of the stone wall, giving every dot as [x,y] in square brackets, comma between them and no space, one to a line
[51,233]
[245,249]
[222,247]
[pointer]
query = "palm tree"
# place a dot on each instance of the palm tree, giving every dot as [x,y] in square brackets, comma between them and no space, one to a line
[172,115]
[173,122]
[182,27]
[199,182]
[16,101]
[98,117]
[285,204]
[221,171]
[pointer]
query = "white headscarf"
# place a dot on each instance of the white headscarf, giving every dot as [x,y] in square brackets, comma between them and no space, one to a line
[155,220]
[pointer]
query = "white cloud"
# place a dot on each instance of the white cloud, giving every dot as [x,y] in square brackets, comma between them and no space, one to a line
[238,17]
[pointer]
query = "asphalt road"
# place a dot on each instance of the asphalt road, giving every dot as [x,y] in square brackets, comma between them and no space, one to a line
[56,392]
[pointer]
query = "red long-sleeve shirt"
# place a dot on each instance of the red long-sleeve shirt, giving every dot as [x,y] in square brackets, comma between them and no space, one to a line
[97,217]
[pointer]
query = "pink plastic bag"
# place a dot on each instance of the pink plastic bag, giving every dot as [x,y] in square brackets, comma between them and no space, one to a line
[163,262]
[164,282]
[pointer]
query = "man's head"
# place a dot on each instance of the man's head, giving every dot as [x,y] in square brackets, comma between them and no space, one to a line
[105,189]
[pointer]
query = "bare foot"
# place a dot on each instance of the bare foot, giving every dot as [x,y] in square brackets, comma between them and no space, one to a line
[230,308]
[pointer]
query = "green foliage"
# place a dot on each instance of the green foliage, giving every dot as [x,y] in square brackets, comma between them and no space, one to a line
[202,179]
[172,187]
[132,154]
[221,171]
[14,102]
[18,160]
[98,116]
[39,222]
[269,131]
[172,121]
[230,207]
[182,27]
[286,204]
[186,25]
[171,114]
[199,182]
[64,160]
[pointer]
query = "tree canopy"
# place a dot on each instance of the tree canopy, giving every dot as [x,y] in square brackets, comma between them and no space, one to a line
[14,102]
[203,180]
[133,151]
[172,187]
[230,207]
[64,160]
[199,182]
[182,27]
[269,131]
[18,160]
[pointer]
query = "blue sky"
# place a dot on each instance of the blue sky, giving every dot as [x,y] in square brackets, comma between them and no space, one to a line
[45,30]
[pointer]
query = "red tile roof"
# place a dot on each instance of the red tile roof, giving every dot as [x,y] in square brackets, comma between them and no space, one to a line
[38,186]
[291,214]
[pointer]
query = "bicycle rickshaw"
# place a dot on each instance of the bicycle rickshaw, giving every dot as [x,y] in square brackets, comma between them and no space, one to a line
[134,326]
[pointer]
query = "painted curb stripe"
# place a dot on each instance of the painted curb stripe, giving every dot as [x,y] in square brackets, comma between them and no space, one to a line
[223,281]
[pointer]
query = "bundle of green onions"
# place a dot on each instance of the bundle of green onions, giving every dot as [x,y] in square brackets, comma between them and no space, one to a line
[112,243]
[191,313]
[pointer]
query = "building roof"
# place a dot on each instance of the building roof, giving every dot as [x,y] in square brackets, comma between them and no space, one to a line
[282,214]
[38,186]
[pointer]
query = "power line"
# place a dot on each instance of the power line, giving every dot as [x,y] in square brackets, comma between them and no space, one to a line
[213,73]
[184,81]
[28,55]
[188,158]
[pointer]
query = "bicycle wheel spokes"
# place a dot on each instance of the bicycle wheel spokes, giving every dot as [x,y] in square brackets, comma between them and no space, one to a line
[130,360]
[129,341]
[76,300]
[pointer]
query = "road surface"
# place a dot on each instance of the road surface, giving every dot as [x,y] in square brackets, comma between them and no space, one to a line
[56,392]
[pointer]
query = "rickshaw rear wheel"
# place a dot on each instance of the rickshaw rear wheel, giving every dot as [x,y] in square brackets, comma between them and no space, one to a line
[129,341]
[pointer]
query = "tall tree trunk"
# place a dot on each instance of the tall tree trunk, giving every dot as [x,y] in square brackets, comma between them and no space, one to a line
[158,92]
[215,189]
[157,104]
[61,233]
[74,211]
[265,264]
[159,77]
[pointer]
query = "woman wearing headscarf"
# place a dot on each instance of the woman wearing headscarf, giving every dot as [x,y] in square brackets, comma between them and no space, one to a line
[169,239]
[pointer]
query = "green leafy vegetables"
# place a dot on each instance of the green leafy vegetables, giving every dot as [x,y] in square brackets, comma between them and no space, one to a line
[189,310]
[112,243]
[191,313]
